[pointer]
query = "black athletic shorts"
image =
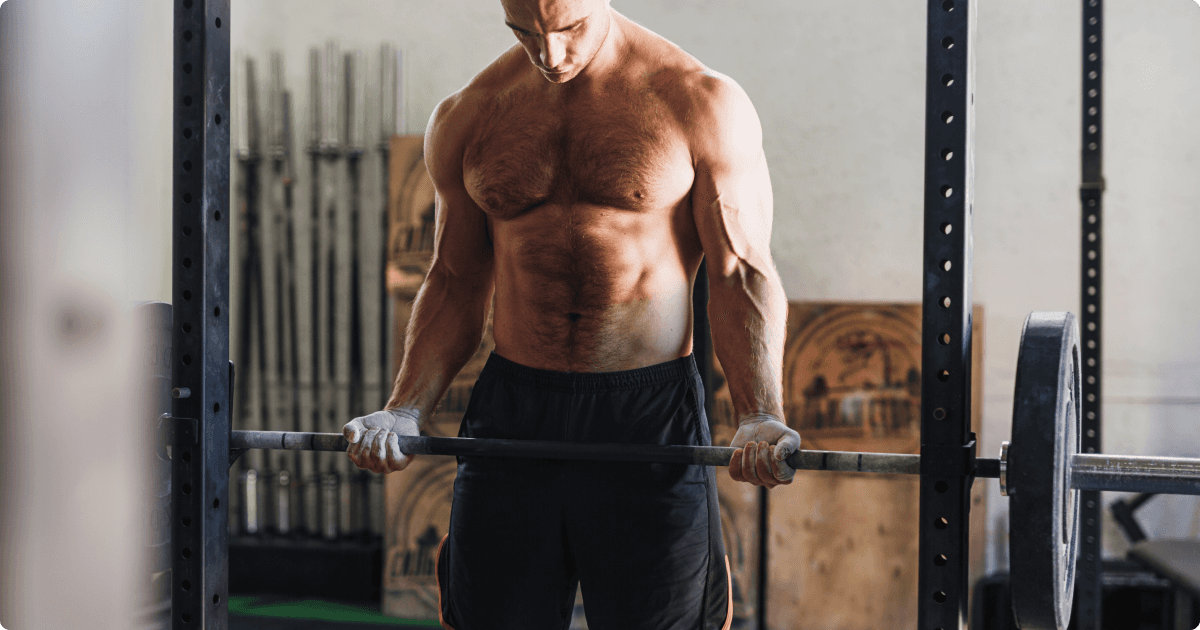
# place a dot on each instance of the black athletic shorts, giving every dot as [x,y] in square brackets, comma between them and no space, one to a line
[642,541]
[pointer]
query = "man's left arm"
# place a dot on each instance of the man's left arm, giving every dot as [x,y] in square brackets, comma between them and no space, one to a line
[732,207]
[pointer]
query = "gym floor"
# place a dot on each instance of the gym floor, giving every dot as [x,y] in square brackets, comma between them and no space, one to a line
[277,612]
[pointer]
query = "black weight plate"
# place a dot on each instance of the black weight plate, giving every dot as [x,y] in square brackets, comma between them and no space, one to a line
[1043,509]
[154,330]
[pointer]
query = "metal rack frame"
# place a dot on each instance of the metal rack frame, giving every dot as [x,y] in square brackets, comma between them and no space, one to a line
[947,443]
[1091,193]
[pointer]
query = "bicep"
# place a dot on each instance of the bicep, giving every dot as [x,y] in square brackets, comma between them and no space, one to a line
[731,195]
[462,246]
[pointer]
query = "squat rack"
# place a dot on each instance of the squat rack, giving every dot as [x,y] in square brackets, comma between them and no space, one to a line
[200,330]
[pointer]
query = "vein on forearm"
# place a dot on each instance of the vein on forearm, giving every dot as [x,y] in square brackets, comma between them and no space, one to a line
[445,330]
[748,315]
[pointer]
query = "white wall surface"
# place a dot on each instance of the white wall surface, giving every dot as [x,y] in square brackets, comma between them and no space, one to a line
[839,88]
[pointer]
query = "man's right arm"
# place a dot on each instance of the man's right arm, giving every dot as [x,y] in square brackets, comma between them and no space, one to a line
[451,308]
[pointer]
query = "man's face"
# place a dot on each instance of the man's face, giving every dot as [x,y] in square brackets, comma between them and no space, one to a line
[560,36]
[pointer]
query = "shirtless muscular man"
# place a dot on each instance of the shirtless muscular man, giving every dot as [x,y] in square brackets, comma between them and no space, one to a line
[581,178]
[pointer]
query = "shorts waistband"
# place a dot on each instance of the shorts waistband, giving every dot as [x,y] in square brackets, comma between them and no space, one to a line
[658,374]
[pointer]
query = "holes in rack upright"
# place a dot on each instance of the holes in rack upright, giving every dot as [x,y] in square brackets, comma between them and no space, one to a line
[939,414]
[1092,129]
[187,359]
[217,215]
[187,197]
[1093,93]
[187,4]
[216,599]
[947,117]
[943,376]
[1091,254]
[187,263]
[947,79]
[217,312]
[187,328]
[186,553]
[944,339]
[187,295]
[948,5]
[940,559]
[187,101]
[1092,20]
[216,407]
[216,503]
[218,22]
[947,43]
[1093,56]
[947,191]
[945,301]
[947,227]
[1092,146]
[185,617]
[947,154]
[1091,325]
[1091,237]
[1092,39]
[186,585]
[217,119]
[1093,75]
[1091,290]
[187,165]
[187,231]
[187,36]
[946,265]
[187,133]
[1091,273]
[941,522]
[941,487]
[187,488]
[939,597]
[187,68]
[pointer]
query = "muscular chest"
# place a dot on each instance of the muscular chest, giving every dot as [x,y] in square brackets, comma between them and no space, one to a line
[625,155]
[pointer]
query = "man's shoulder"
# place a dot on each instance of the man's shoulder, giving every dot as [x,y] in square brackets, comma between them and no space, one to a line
[691,87]
[460,108]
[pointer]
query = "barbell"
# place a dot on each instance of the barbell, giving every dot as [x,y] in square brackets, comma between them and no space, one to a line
[1040,470]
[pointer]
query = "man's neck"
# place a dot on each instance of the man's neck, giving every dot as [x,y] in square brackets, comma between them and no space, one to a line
[607,58]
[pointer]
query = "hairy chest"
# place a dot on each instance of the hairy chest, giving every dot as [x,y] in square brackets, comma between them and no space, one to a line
[624,153]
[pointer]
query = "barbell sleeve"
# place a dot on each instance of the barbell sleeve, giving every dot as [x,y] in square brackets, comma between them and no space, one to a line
[1127,473]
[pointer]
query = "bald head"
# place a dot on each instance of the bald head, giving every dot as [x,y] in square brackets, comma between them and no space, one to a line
[561,37]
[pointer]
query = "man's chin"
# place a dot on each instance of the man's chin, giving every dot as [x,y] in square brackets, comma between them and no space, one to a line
[558,77]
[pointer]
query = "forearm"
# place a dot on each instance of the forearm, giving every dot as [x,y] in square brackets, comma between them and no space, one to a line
[445,330]
[748,316]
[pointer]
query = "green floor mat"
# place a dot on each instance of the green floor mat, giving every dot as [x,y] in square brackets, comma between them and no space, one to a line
[313,609]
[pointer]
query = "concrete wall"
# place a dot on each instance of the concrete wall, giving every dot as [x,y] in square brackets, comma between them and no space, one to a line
[839,89]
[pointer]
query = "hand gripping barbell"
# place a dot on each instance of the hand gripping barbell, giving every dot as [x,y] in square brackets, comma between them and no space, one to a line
[1041,470]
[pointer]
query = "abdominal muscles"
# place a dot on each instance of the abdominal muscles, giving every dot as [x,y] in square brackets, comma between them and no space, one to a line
[585,288]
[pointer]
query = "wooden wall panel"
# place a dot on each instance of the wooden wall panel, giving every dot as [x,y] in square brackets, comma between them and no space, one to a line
[842,548]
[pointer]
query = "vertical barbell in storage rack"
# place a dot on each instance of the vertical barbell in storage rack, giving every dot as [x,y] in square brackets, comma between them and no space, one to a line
[946,318]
